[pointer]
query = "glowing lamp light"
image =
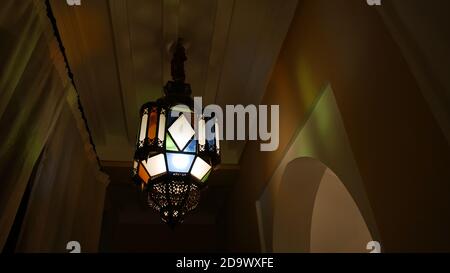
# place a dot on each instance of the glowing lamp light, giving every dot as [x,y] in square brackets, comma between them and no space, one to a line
[179,163]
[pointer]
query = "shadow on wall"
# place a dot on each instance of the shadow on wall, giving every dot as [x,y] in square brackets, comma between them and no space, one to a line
[316,213]
[6,47]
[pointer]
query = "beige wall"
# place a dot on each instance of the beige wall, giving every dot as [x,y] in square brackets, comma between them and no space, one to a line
[315,213]
[68,192]
[337,224]
[399,149]
[39,115]
[323,138]
[419,29]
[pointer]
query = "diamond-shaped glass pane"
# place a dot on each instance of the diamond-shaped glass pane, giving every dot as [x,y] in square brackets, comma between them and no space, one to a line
[181,131]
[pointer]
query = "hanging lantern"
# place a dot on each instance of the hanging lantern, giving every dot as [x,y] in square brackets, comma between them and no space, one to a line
[176,150]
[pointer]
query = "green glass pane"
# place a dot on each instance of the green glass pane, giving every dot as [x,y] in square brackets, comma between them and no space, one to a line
[170,145]
[206,176]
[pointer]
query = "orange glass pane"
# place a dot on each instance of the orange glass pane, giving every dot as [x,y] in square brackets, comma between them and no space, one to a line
[152,124]
[143,173]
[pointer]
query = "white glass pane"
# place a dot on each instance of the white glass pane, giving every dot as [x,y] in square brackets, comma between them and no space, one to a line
[201,132]
[181,131]
[179,163]
[155,165]
[181,108]
[162,126]
[200,168]
[216,128]
[144,122]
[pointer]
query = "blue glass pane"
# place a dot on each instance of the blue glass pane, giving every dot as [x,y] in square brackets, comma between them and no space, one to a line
[191,147]
[210,136]
[179,163]
[211,145]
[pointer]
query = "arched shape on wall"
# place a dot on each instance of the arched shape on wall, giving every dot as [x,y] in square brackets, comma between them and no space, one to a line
[337,223]
[316,213]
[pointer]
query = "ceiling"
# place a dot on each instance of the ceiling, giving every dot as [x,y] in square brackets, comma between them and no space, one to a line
[118,53]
